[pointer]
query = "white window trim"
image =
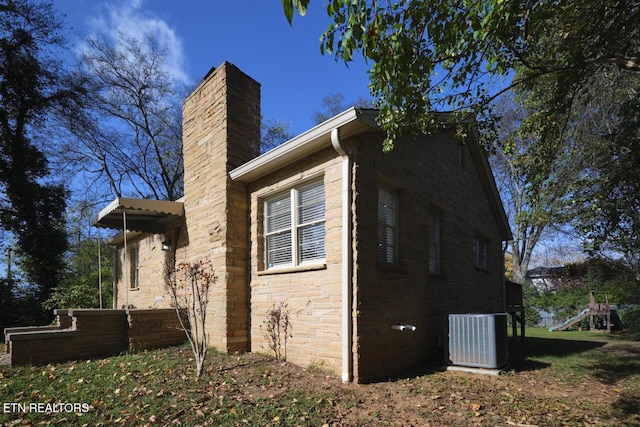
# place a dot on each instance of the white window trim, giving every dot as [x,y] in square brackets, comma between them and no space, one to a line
[294,228]
[134,268]
[268,234]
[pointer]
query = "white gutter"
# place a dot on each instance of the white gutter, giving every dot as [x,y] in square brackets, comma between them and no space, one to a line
[347,261]
[324,135]
[124,275]
[349,122]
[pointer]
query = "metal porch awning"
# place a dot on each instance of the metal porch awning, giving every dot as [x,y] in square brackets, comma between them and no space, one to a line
[146,216]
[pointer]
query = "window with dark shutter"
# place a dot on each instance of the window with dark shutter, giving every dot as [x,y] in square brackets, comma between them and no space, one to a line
[387,226]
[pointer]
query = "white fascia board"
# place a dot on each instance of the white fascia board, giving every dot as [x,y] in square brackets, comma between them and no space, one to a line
[159,206]
[313,140]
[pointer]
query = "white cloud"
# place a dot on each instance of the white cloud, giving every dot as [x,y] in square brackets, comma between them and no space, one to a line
[132,19]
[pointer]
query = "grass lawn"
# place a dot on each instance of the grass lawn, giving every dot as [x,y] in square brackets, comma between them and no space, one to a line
[554,379]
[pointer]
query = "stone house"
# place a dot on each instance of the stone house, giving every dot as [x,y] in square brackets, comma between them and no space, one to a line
[370,251]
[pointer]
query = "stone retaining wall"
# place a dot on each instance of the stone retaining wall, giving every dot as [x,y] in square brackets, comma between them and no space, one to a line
[151,328]
[85,333]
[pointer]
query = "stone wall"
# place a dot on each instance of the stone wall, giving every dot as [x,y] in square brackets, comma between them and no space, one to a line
[312,293]
[92,333]
[63,321]
[432,176]
[86,333]
[152,262]
[221,131]
[149,329]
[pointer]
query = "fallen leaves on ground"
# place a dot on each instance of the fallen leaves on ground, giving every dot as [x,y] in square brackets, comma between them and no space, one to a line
[157,388]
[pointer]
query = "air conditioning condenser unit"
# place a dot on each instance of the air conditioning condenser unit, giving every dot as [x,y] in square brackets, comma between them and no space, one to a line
[478,340]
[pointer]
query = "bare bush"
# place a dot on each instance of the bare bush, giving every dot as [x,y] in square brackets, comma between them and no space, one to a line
[189,285]
[278,330]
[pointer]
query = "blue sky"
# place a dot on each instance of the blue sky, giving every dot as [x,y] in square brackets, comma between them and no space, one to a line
[254,35]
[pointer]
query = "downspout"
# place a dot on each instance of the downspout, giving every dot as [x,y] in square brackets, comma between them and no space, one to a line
[505,245]
[347,260]
[126,256]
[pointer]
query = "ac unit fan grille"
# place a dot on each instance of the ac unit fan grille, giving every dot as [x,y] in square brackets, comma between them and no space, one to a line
[478,340]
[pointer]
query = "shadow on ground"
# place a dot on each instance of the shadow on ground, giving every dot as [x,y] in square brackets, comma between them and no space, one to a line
[624,363]
[629,405]
[524,356]
[521,356]
[521,352]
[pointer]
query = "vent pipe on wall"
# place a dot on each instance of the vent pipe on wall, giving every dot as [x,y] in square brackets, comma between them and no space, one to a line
[410,328]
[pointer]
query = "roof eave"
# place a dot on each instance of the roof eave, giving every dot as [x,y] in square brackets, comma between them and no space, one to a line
[349,122]
[488,181]
[118,238]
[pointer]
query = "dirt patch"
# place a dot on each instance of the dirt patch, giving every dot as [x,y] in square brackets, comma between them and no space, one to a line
[448,398]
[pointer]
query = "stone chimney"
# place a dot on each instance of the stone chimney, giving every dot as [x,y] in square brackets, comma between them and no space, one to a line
[221,131]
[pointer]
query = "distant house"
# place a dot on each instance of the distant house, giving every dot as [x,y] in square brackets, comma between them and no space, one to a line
[546,278]
[356,242]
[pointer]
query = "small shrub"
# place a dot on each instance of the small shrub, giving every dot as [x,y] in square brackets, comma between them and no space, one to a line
[278,330]
[630,318]
[189,285]
[319,368]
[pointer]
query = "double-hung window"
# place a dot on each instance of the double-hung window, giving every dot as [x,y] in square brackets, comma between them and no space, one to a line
[134,268]
[481,251]
[294,226]
[434,244]
[387,226]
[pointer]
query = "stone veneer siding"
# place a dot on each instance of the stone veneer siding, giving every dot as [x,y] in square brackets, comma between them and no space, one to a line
[313,297]
[221,131]
[223,223]
[150,292]
[430,177]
